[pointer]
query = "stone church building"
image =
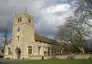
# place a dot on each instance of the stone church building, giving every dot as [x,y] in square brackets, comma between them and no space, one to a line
[26,44]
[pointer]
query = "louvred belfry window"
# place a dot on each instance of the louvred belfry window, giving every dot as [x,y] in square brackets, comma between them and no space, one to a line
[29,20]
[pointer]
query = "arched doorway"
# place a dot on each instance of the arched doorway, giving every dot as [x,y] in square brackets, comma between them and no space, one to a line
[18,52]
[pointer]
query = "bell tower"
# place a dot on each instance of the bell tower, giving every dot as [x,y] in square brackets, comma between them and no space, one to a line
[23,31]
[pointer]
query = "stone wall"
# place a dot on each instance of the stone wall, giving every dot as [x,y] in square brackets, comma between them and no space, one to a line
[86,56]
[39,57]
[56,57]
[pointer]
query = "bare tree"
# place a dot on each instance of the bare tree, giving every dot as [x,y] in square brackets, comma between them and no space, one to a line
[75,31]
[89,6]
[5,35]
[5,32]
[84,8]
[78,27]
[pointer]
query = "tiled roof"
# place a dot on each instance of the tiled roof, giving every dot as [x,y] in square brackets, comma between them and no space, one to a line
[44,39]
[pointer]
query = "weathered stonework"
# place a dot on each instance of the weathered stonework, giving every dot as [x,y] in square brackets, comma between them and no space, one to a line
[23,35]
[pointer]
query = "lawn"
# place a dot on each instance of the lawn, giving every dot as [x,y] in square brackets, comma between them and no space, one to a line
[71,61]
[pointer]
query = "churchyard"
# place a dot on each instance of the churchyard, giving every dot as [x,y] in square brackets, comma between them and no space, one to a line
[60,59]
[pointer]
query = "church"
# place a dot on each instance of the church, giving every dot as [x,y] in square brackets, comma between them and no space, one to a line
[26,44]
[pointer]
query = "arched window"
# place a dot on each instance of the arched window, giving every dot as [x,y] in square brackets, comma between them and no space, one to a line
[44,52]
[29,20]
[20,19]
[29,49]
[39,50]
[55,50]
[9,51]
[49,51]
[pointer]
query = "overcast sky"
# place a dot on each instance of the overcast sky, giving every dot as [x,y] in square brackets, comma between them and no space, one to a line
[49,14]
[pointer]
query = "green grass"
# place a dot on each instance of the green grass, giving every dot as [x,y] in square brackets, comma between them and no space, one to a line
[71,61]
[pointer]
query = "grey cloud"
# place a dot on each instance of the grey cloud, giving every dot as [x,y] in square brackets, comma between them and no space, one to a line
[48,3]
[59,13]
[7,8]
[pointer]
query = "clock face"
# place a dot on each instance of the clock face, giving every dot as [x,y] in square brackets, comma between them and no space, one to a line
[18,29]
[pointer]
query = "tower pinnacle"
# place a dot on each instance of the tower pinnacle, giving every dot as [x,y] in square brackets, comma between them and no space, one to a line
[15,12]
[25,9]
